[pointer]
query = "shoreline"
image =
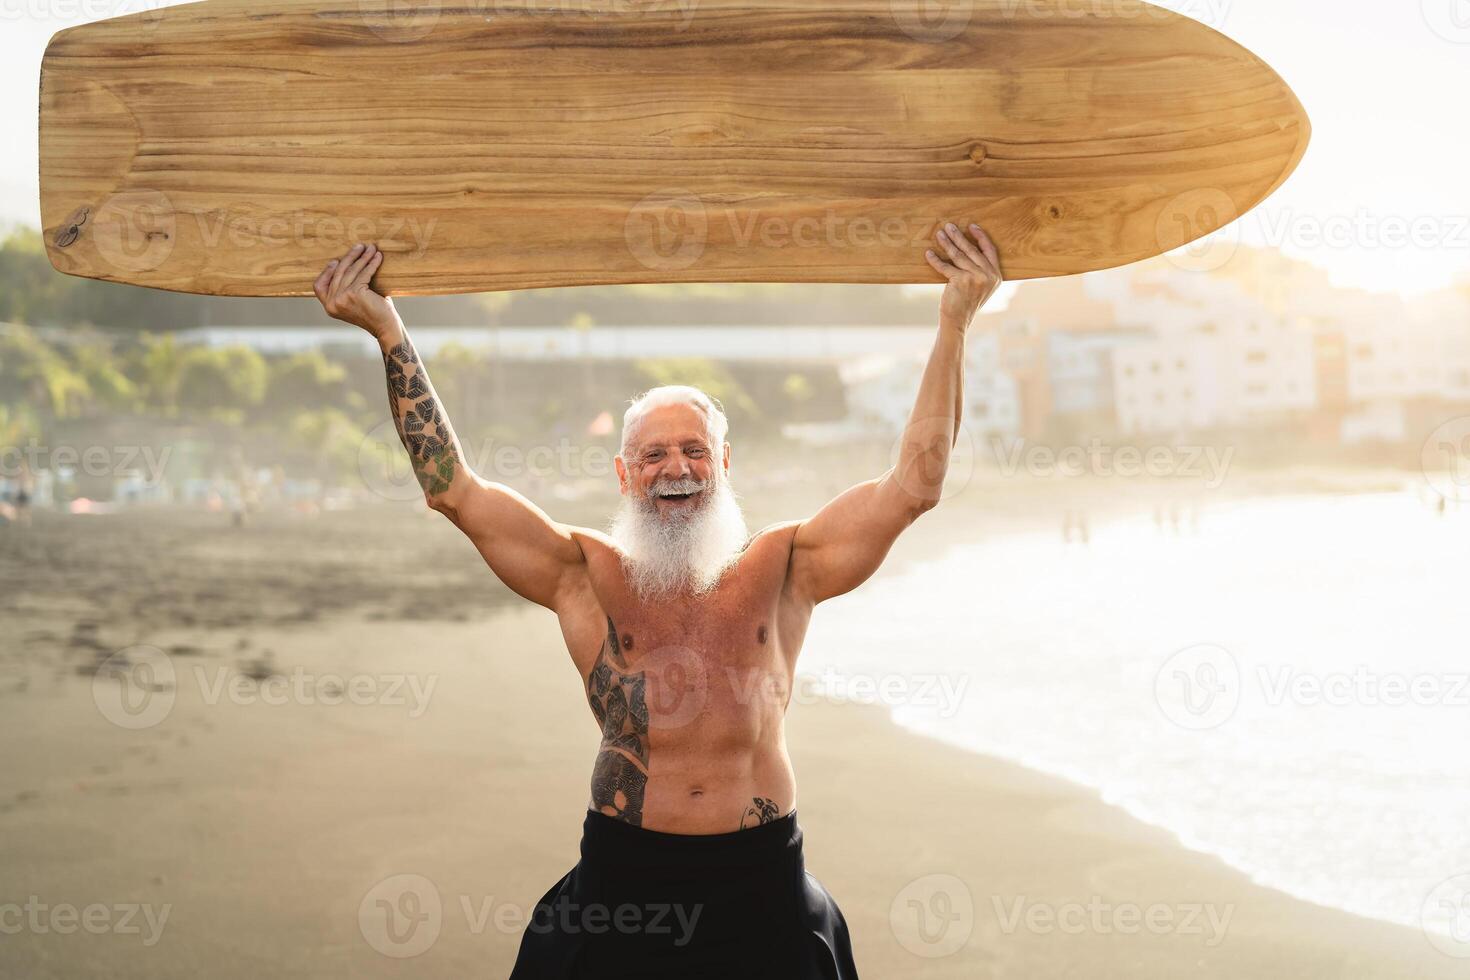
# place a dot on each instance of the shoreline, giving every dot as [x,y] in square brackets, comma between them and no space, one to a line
[1119,516]
[268,828]
[482,795]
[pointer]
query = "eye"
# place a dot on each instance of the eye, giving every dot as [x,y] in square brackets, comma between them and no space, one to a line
[697,453]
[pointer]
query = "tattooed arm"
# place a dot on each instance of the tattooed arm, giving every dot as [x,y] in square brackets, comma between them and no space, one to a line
[844,543]
[530,552]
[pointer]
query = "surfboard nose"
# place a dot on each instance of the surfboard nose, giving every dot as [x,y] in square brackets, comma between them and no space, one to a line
[1299,119]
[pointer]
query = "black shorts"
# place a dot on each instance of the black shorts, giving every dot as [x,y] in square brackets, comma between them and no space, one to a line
[643,904]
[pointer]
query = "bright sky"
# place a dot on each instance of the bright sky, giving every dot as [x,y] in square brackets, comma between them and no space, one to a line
[1382,199]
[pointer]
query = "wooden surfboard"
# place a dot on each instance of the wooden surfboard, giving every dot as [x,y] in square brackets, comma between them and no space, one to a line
[232,147]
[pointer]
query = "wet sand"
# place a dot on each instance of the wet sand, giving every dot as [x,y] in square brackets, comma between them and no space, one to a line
[317,708]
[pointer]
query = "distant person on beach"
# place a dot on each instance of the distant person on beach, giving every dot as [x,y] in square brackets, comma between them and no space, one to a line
[25,492]
[685,630]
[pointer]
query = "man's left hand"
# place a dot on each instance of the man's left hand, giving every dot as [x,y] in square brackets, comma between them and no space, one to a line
[973,271]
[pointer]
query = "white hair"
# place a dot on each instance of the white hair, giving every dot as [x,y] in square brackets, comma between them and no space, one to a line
[716,425]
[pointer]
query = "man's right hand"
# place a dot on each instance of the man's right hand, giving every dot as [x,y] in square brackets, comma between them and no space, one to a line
[345,291]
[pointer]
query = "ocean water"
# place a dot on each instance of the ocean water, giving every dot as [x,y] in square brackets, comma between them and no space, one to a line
[1286,686]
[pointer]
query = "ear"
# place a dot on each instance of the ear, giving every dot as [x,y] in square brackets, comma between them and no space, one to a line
[622,469]
[727,458]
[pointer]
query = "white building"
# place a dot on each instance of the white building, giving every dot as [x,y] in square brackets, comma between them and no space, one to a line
[1080,365]
[1267,370]
[1167,385]
[1423,354]
[1239,367]
[881,392]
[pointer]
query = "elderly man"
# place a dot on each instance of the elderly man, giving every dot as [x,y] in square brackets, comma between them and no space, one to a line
[685,630]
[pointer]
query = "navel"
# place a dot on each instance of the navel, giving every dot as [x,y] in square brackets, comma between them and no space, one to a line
[627,641]
[760,634]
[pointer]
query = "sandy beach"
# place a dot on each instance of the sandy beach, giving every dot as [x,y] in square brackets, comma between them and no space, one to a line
[286,748]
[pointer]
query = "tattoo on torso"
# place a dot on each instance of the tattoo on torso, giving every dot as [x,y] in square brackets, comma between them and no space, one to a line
[761,811]
[420,419]
[618,702]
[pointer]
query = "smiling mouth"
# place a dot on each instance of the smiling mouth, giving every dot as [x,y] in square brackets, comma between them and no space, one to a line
[675,496]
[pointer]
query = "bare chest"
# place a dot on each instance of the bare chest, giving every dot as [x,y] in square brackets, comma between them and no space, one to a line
[689,665]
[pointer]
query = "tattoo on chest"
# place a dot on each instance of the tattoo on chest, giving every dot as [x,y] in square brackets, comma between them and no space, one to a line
[420,419]
[618,702]
[761,811]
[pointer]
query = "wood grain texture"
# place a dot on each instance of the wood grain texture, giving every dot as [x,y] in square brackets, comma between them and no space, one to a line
[232,146]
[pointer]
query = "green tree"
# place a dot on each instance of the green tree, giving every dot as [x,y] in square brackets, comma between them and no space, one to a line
[110,388]
[331,439]
[706,375]
[222,383]
[304,382]
[34,372]
[155,367]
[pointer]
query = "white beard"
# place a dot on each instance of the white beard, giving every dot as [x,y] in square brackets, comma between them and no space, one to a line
[685,552]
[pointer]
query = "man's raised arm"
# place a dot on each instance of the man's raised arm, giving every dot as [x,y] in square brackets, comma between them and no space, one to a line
[531,553]
[842,546]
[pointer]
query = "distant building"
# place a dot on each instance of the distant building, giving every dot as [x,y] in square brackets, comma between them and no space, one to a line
[1267,370]
[1080,364]
[1168,386]
[881,392]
